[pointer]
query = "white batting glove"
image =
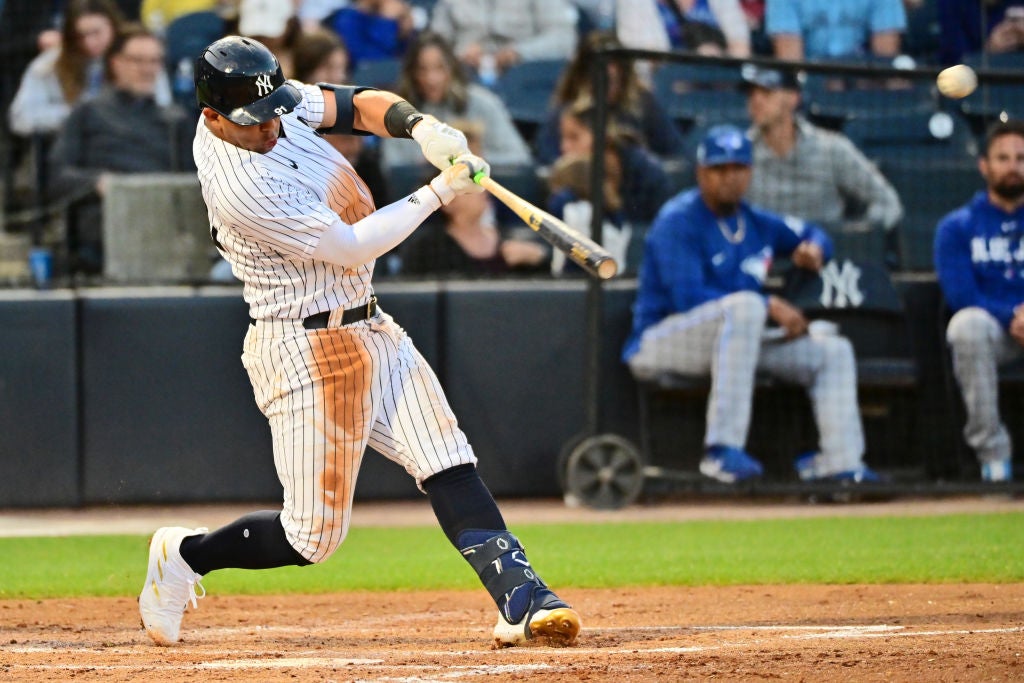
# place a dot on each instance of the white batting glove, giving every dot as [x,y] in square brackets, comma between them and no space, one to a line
[457,178]
[440,142]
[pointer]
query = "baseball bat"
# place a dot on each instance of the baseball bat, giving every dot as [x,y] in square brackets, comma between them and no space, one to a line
[579,248]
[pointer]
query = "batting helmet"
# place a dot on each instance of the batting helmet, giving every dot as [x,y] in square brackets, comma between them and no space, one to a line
[241,79]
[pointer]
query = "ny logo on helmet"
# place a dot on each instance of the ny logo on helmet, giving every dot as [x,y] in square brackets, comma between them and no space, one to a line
[263,85]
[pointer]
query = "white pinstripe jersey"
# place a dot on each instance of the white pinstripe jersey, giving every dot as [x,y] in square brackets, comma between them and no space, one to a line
[268,211]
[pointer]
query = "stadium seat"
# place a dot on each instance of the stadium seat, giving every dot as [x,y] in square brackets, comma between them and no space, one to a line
[928,191]
[698,94]
[188,34]
[834,108]
[526,89]
[377,73]
[923,136]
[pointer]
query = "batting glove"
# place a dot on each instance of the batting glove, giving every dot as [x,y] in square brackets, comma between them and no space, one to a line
[457,178]
[440,142]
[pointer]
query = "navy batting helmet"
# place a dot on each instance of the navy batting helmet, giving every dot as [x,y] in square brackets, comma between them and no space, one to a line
[241,79]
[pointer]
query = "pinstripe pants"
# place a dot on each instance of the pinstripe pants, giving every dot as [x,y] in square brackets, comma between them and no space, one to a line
[979,345]
[329,393]
[724,339]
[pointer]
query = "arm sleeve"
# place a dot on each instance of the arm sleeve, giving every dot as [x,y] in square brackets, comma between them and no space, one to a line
[956,273]
[860,179]
[638,25]
[311,107]
[383,230]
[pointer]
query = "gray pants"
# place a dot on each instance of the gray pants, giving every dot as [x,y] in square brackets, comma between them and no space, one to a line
[979,346]
[723,339]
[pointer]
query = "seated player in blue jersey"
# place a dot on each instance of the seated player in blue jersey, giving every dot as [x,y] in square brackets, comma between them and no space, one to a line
[979,259]
[701,310]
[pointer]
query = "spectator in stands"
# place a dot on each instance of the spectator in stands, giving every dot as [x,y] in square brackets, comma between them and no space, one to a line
[275,23]
[432,80]
[979,259]
[122,130]
[63,75]
[631,105]
[968,26]
[826,29]
[635,185]
[701,310]
[374,29]
[501,33]
[805,171]
[322,57]
[710,27]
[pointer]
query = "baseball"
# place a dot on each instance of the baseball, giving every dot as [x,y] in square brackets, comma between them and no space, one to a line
[957,81]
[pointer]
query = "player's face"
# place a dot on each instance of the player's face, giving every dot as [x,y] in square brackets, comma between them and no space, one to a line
[432,77]
[1003,167]
[723,186]
[260,138]
[95,33]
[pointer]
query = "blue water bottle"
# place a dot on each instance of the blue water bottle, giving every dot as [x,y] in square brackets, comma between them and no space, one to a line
[40,265]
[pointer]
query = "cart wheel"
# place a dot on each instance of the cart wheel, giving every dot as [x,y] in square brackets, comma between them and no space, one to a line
[604,472]
[563,458]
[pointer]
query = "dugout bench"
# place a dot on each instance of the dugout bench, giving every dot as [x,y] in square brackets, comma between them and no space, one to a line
[609,471]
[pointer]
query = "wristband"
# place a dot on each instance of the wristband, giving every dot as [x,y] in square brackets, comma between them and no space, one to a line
[400,118]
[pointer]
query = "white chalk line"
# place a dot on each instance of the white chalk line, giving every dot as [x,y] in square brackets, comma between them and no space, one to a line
[312,660]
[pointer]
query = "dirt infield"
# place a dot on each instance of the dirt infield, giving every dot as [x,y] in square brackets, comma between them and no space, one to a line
[841,633]
[811,633]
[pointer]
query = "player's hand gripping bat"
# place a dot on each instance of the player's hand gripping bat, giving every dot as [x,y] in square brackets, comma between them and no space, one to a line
[580,249]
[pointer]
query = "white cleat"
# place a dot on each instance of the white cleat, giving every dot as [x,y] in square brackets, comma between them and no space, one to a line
[552,622]
[170,585]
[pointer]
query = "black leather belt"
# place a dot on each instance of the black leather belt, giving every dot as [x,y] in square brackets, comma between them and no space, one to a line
[318,321]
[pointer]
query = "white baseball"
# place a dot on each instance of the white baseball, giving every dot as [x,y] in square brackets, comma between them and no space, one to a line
[957,81]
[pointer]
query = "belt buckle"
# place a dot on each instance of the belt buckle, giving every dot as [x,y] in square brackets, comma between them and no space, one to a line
[370,306]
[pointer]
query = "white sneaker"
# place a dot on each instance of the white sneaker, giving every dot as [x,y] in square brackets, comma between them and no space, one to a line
[170,585]
[553,622]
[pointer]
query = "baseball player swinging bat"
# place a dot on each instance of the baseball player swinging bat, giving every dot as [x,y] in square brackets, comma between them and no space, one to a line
[580,249]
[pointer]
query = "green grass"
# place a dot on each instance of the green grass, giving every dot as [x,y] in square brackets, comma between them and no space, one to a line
[944,549]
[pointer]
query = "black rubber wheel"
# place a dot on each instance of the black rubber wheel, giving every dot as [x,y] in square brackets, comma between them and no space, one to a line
[604,472]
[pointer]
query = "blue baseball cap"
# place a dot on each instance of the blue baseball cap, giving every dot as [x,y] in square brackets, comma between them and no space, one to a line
[725,145]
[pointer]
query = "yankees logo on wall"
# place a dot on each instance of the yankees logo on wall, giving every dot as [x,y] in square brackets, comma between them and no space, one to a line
[263,85]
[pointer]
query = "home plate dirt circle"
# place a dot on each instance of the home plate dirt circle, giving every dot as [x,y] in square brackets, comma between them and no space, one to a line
[891,633]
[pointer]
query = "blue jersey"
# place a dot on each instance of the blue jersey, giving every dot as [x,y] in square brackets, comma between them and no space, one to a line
[691,256]
[979,258]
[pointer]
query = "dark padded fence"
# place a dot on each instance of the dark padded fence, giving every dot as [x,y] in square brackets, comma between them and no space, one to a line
[115,398]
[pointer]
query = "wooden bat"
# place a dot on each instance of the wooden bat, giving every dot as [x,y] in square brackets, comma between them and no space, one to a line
[580,249]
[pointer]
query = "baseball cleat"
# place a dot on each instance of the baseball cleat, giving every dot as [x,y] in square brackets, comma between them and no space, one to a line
[170,585]
[549,620]
[997,470]
[729,465]
[808,468]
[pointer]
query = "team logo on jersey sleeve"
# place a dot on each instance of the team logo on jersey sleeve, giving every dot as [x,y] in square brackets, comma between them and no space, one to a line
[263,85]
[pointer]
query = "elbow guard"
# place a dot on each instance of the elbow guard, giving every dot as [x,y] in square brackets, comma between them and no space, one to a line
[343,95]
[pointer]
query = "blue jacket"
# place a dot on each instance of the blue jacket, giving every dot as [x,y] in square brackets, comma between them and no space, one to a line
[979,258]
[688,261]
